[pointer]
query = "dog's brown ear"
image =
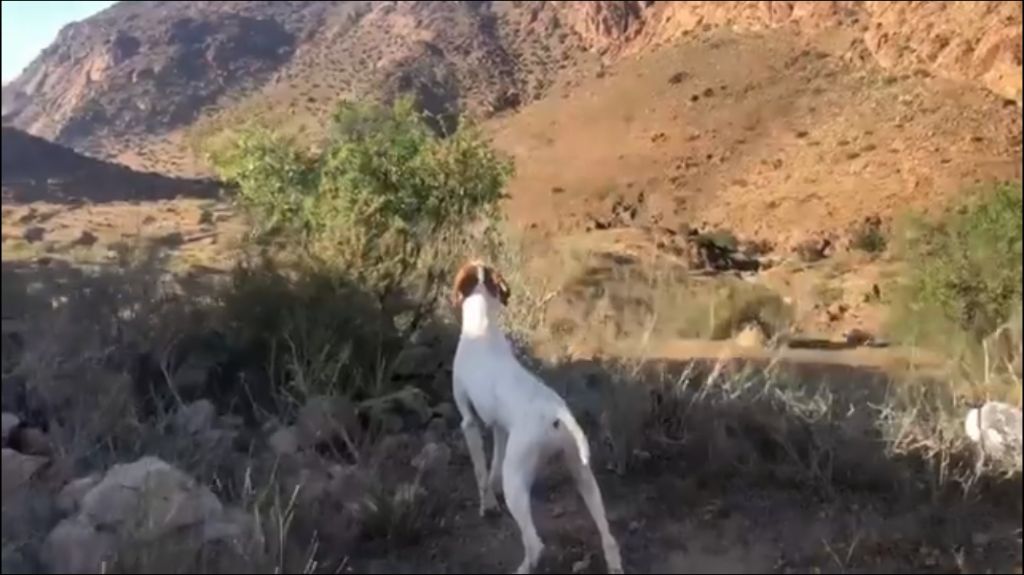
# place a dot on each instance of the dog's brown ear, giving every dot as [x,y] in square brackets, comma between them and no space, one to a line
[497,285]
[465,283]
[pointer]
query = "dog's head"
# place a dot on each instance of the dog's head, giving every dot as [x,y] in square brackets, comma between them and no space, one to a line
[473,274]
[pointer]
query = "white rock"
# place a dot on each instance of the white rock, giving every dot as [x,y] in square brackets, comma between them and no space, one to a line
[996,428]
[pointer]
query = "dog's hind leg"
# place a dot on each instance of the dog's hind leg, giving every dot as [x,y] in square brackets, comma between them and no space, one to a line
[591,493]
[497,457]
[520,465]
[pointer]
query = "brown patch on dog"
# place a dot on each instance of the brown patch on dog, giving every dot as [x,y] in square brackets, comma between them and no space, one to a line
[467,279]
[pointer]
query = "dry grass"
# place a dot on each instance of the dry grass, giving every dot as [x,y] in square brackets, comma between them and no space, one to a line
[80,335]
[826,429]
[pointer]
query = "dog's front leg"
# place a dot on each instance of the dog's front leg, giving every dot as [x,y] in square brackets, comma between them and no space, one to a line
[475,443]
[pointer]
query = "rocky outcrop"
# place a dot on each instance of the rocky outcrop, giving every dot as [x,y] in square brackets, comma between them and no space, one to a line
[143,69]
[974,42]
[135,505]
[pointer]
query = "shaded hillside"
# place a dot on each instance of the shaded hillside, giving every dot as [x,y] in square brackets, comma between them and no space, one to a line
[37,170]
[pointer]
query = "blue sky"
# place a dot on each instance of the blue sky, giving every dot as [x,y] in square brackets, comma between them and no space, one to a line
[28,27]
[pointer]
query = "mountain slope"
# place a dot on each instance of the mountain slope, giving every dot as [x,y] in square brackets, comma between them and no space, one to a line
[37,170]
[756,134]
[142,69]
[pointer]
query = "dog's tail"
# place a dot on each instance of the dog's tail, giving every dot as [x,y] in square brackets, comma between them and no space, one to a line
[566,420]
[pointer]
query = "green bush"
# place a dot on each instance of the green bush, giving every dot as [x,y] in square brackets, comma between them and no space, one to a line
[381,171]
[964,271]
[377,201]
[869,237]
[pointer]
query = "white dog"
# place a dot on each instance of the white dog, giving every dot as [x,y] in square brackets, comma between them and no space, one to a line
[529,421]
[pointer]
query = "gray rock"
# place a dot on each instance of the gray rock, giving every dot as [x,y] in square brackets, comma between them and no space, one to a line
[70,497]
[414,361]
[149,499]
[433,457]
[284,441]
[146,509]
[18,470]
[35,442]
[76,546]
[9,422]
[196,417]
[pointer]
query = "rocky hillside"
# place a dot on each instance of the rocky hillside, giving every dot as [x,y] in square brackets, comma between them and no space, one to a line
[139,70]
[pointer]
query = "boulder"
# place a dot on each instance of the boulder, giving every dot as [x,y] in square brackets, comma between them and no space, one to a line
[32,441]
[417,361]
[19,469]
[146,511]
[69,500]
[407,408]
[149,498]
[76,546]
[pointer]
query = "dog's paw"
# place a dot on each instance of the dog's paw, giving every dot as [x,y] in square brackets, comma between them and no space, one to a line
[490,506]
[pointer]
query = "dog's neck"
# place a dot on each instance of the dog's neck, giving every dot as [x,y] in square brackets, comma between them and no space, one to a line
[480,314]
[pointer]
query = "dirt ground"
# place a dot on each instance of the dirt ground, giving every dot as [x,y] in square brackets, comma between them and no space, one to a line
[672,518]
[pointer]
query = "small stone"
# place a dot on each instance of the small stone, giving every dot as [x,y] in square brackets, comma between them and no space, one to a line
[581,565]
[858,337]
[86,239]
[436,430]
[980,539]
[34,234]
[447,412]
[836,311]
[196,417]
[284,441]
[9,422]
